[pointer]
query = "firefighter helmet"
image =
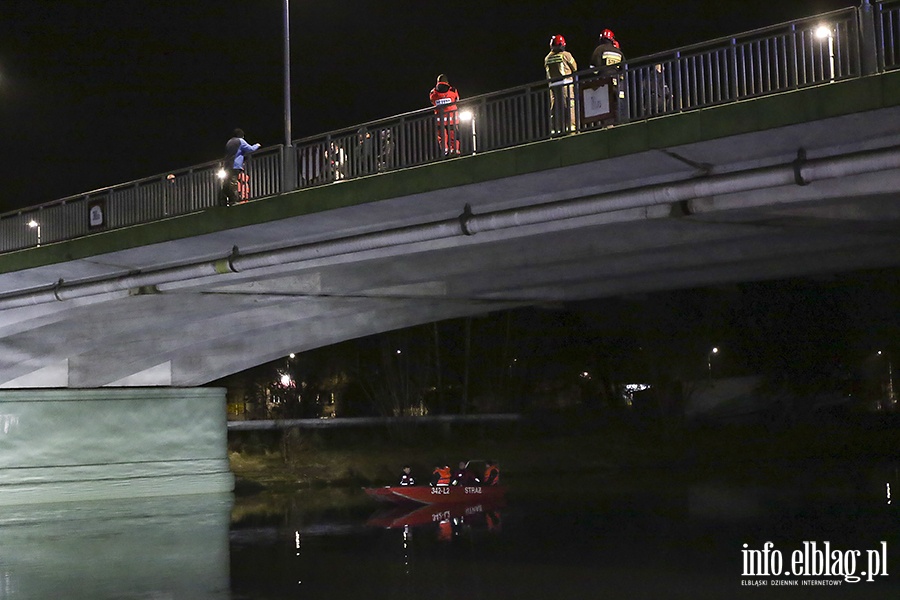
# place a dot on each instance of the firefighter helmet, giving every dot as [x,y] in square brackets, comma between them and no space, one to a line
[557,40]
[607,34]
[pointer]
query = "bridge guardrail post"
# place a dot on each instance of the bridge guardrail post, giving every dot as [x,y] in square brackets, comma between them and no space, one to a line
[868,46]
[734,88]
[287,169]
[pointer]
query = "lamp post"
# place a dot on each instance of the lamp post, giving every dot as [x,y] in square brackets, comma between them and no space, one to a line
[288,163]
[709,362]
[824,32]
[287,74]
[34,224]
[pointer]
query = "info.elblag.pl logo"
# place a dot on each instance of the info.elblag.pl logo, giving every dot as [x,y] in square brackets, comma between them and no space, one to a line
[814,563]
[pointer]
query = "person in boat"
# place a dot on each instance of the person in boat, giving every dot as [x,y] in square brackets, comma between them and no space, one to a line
[440,477]
[491,473]
[406,477]
[463,476]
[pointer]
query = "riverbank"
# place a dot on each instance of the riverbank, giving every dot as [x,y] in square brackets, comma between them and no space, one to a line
[547,448]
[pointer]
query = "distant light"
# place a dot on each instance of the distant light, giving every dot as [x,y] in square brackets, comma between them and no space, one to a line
[823,32]
[285,380]
[585,375]
[221,174]
[291,355]
[466,115]
[715,350]
[879,353]
[399,351]
[32,223]
[636,387]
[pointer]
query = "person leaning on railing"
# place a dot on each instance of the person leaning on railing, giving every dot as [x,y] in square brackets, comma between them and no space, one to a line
[444,97]
[236,184]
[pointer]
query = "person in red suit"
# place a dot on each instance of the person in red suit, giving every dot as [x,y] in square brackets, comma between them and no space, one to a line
[444,97]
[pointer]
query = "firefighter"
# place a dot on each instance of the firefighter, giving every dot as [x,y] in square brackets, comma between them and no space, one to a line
[607,59]
[440,477]
[560,64]
[608,56]
[406,477]
[444,97]
[462,475]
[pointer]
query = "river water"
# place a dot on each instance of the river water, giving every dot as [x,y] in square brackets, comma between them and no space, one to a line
[622,535]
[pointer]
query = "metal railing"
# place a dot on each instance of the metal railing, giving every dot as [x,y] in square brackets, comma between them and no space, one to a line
[786,57]
[887,35]
[852,42]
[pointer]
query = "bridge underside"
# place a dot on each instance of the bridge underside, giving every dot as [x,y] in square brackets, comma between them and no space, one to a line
[733,209]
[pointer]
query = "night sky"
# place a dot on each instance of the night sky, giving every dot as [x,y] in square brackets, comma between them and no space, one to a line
[99,92]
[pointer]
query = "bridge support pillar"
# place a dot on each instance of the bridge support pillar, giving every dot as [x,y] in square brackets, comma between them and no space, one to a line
[108,443]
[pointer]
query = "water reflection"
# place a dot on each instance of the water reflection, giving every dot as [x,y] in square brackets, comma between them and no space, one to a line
[590,537]
[598,536]
[160,548]
[443,518]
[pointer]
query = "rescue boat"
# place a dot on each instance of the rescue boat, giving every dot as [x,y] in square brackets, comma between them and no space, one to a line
[445,494]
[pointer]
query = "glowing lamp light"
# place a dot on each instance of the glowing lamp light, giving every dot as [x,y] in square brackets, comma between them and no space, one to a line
[221,174]
[823,32]
[285,380]
[465,115]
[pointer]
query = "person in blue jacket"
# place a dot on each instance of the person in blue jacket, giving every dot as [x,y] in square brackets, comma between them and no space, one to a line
[236,184]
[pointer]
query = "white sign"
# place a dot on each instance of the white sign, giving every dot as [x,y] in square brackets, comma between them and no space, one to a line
[596,101]
[95,216]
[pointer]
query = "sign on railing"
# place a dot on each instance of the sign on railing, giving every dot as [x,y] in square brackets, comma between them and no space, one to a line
[813,51]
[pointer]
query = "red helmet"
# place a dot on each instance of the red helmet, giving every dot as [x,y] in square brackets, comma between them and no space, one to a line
[557,40]
[607,34]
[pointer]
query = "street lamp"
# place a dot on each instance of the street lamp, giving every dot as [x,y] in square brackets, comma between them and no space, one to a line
[468,115]
[709,361]
[823,32]
[34,224]
[288,164]
[287,74]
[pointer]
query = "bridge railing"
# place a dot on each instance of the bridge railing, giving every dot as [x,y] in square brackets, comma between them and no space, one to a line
[887,35]
[785,57]
[812,51]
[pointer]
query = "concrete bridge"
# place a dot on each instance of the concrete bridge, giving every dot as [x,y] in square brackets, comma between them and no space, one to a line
[105,337]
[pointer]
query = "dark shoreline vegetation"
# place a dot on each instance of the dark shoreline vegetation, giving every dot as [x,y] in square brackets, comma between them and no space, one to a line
[542,449]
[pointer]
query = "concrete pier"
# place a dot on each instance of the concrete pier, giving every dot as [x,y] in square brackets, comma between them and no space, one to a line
[98,444]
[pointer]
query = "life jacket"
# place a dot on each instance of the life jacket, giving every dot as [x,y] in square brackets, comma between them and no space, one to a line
[487,475]
[444,97]
[443,475]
